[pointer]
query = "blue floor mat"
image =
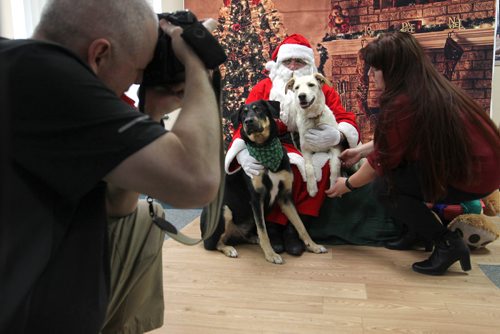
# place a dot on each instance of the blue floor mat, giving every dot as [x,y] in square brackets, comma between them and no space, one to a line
[492,271]
[180,218]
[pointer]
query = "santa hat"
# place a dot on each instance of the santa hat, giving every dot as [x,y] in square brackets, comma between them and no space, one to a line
[294,46]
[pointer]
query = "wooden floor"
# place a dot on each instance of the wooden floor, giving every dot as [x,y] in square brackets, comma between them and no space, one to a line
[351,289]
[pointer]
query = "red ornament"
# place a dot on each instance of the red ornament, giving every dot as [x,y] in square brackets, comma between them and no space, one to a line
[344,28]
[255,2]
[227,3]
[338,20]
[236,27]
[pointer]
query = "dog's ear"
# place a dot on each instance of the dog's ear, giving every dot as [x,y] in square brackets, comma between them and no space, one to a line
[235,117]
[289,84]
[321,79]
[274,108]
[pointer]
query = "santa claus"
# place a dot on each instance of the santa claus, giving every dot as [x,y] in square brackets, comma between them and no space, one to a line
[293,56]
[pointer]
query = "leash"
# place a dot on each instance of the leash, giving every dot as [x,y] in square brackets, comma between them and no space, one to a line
[214,207]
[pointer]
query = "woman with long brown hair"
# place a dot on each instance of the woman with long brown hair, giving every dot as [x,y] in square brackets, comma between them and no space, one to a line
[432,143]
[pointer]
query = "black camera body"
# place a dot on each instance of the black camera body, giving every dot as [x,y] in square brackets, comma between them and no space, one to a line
[165,68]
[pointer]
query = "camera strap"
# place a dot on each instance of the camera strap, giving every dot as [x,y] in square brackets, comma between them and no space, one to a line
[213,213]
[170,228]
[213,209]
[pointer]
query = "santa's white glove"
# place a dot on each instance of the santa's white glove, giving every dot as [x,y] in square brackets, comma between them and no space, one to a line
[289,118]
[323,137]
[319,159]
[249,164]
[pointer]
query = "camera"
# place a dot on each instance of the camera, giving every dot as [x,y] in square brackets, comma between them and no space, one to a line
[165,68]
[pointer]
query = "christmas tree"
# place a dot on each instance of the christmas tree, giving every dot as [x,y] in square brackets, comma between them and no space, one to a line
[249,31]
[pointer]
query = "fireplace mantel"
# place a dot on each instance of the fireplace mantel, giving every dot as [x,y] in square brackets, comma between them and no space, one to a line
[430,40]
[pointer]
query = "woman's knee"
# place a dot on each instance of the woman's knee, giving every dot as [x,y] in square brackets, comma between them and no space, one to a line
[381,190]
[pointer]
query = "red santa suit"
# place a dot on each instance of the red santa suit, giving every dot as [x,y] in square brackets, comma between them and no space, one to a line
[273,88]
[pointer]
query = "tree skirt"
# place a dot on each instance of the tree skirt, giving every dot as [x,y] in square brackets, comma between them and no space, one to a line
[355,218]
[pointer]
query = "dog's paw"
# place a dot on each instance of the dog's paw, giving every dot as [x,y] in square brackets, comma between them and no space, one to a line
[274,258]
[229,251]
[318,249]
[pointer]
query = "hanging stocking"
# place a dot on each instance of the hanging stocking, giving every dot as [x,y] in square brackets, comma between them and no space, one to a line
[323,57]
[364,118]
[363,84]
[452,54]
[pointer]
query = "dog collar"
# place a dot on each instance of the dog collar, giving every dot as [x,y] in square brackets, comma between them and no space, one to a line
[269,155]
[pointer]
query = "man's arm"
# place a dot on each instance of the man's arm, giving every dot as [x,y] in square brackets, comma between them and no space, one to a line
[182,167]
[121,202]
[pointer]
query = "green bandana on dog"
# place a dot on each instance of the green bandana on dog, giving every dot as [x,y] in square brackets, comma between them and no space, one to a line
[270,155]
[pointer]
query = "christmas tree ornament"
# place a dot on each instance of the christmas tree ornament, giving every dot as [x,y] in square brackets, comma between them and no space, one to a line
[249,31]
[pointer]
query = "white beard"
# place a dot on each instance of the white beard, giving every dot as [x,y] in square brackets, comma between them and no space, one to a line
[279,75]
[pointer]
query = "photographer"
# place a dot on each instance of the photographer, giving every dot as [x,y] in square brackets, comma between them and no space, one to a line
[71,136]
[136,303]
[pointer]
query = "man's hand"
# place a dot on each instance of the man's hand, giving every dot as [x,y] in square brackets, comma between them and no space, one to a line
[184,53]
[250,165]
[323,137]
[162,100]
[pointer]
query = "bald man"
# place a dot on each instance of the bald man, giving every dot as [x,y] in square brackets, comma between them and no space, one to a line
[72,138]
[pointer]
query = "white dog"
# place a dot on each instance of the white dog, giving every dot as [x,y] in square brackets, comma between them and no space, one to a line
[310,111]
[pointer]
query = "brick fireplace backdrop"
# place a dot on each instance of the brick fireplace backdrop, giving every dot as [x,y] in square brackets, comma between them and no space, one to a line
[338,29]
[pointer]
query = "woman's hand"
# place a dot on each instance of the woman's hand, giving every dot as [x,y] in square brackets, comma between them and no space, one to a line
[338,189]
[350,156]
[353,155]
[364,175]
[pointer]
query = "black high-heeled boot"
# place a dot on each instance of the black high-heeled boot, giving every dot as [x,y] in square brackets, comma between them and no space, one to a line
[409,240]
[448,249]
[293,244]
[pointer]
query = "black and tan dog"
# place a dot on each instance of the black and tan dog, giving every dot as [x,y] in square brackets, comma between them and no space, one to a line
[247,200]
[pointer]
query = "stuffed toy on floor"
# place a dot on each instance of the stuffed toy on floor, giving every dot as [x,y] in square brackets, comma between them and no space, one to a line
[477,229]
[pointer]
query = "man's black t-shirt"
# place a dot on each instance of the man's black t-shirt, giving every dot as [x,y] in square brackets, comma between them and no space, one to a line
[68,131]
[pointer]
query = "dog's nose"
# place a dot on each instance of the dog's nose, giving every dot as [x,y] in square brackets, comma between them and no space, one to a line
[249,121]
[302,97]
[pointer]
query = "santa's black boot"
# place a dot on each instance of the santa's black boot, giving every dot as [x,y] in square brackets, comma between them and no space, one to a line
[275,233]
[448,249]
[293,244]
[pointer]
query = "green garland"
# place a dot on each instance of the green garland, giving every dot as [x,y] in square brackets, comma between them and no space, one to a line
[466,24]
